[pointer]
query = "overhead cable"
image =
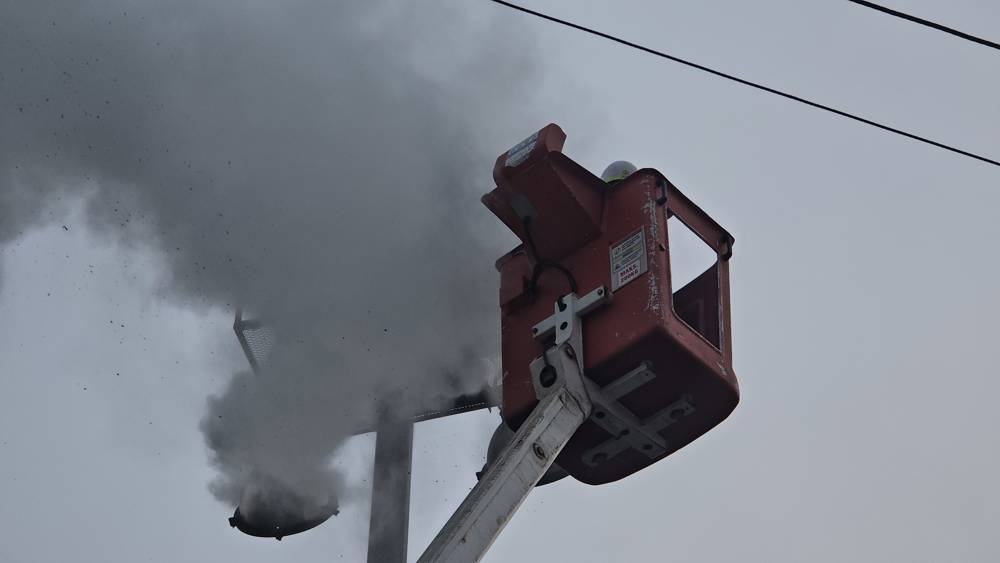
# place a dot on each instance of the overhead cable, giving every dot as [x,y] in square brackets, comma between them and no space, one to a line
[745,82]
[928,23]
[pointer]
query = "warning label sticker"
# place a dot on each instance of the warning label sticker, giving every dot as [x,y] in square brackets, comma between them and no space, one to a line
[519,152]
[628,260]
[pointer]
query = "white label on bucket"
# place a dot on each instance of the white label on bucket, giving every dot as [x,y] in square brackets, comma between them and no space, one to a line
[628,260]
[519,152]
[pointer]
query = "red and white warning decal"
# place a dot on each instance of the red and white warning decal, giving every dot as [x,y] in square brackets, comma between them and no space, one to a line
[628,260]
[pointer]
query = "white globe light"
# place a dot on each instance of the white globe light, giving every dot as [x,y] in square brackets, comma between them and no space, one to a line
[618,170]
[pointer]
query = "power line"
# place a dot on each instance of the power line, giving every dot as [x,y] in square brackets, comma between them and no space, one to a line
[928,23]
[746,82]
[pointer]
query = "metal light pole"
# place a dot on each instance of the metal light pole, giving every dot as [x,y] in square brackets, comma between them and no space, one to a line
[390,507]
[390,515]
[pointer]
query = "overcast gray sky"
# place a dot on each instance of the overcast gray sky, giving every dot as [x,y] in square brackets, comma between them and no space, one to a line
[864,289]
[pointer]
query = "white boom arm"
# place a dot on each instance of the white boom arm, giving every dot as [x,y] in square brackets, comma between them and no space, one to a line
[564,405]
[490,505]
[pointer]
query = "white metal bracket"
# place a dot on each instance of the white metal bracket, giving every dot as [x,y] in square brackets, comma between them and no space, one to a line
[565,321]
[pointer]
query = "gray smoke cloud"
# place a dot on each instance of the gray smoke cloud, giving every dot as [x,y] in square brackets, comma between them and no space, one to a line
[306,160]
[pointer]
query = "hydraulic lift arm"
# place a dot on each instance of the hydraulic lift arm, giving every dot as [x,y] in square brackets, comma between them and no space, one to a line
[494,500]
[564,405]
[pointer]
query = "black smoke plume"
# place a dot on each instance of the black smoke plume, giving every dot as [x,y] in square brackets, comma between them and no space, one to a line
[318,163]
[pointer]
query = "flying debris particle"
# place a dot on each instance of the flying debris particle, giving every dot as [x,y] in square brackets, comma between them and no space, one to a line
[65,228]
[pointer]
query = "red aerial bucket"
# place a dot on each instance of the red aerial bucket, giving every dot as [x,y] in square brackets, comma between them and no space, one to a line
[664,353]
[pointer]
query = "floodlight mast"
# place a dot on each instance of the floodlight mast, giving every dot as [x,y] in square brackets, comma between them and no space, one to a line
[390,507]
